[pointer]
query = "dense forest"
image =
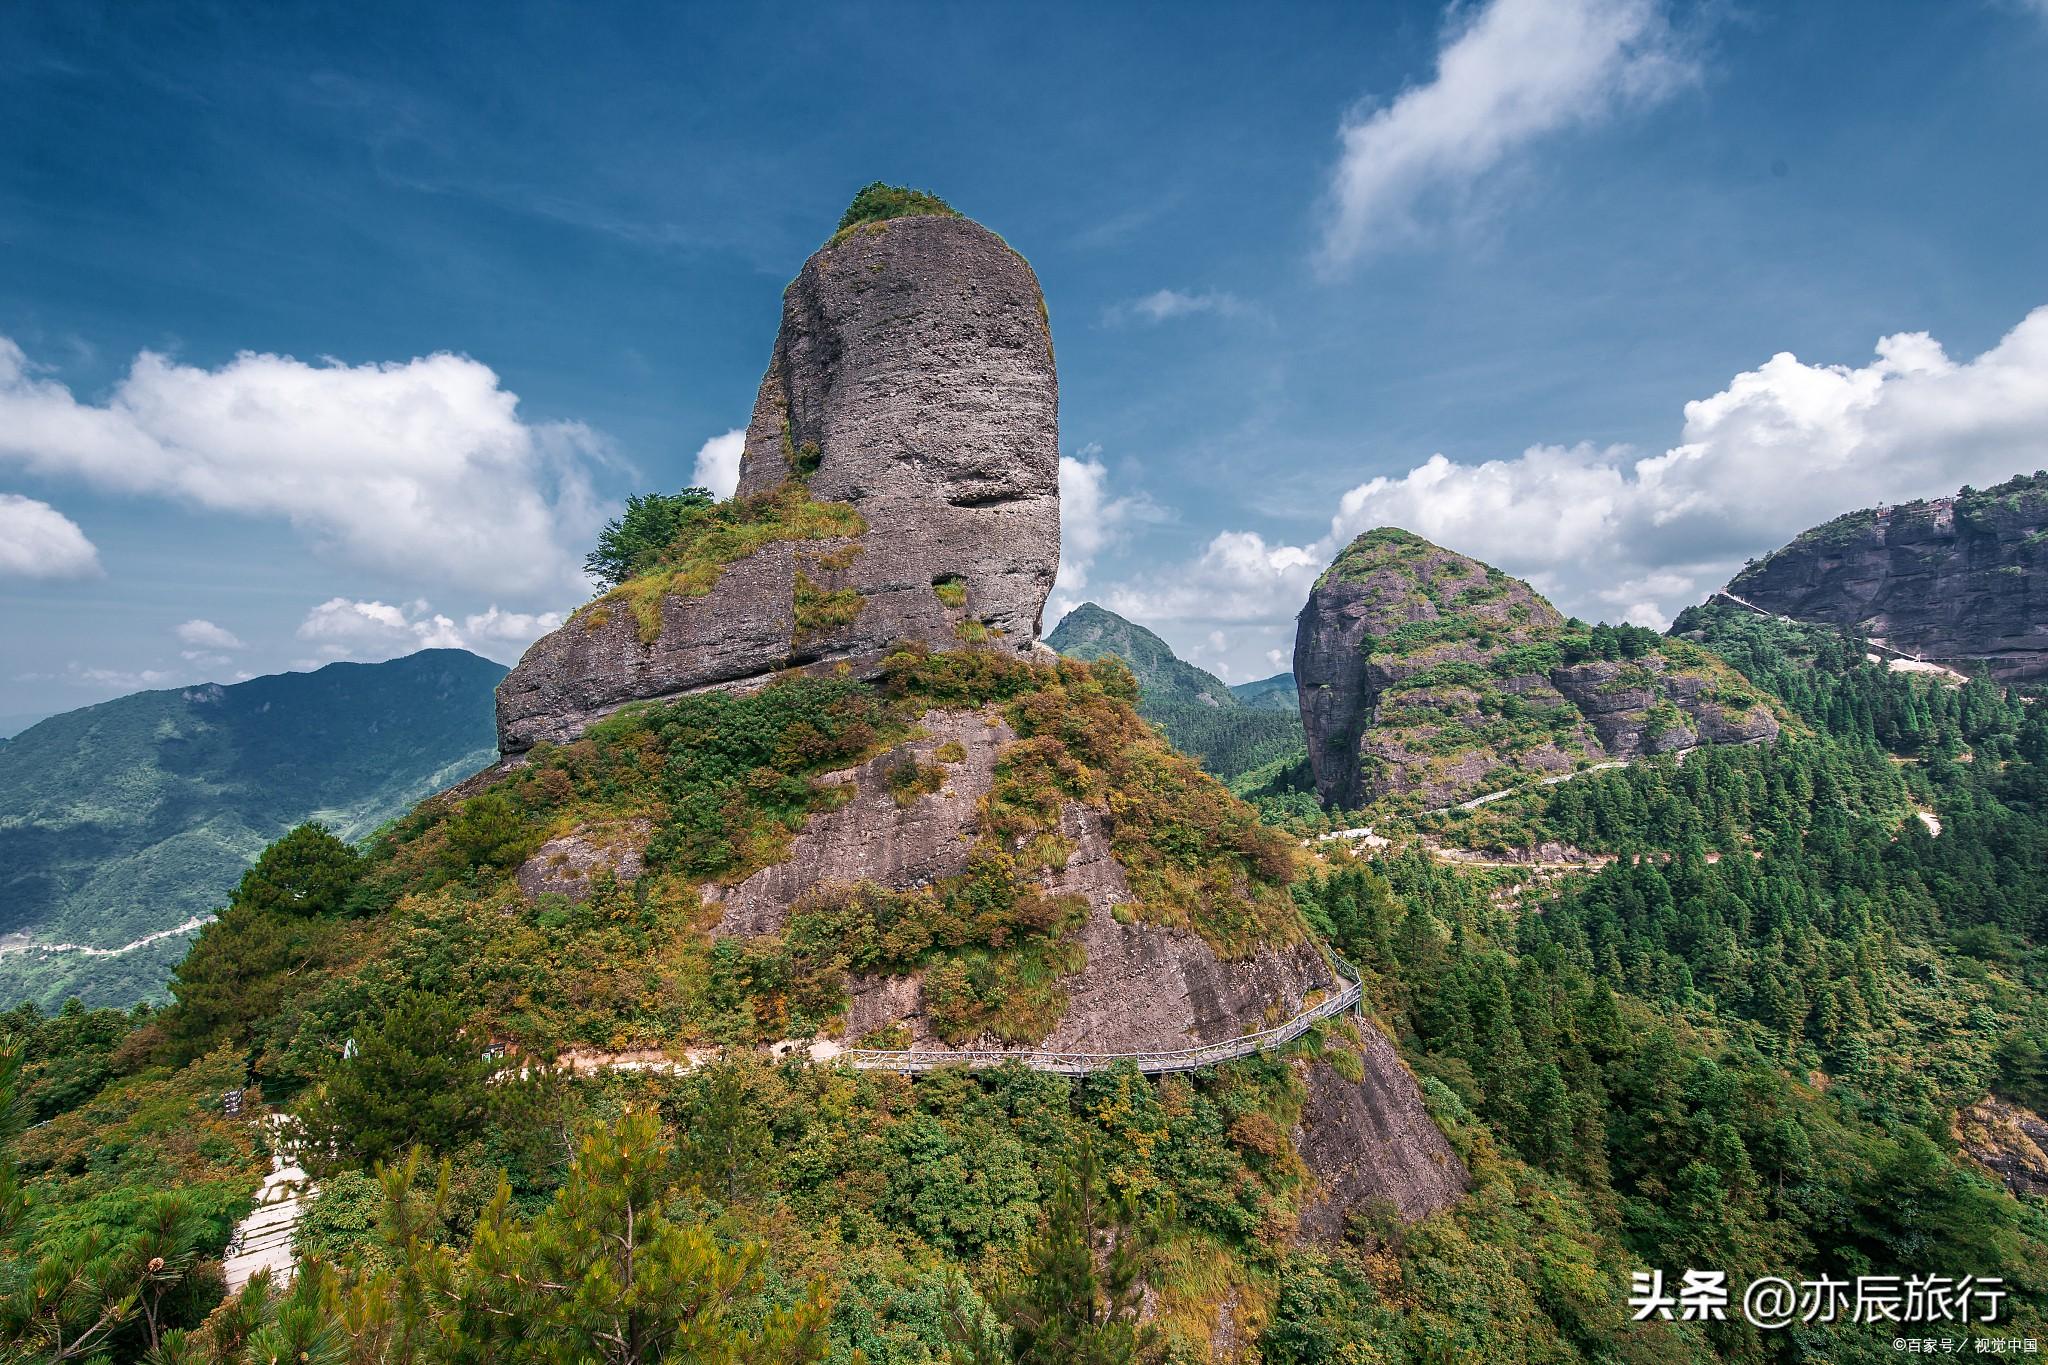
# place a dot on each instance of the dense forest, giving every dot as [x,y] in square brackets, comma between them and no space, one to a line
[1734,1040]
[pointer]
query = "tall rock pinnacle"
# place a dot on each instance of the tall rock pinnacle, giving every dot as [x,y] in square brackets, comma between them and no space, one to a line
[900,482]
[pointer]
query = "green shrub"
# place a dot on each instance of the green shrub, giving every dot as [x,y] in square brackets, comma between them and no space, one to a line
[307,872]
[878,203]
[708,538]
[488,832]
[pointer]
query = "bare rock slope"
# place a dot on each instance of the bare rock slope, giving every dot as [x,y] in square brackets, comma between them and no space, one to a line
[1139,987]
[912,381]
[1956,580]
[1425,672]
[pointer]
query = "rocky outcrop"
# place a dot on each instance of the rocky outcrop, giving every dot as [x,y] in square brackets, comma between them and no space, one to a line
[2009,1140]
[912,380]
[873,837]
[1136,987]
[1372,1143]
[571,865]
[1426,674]
[1950,579]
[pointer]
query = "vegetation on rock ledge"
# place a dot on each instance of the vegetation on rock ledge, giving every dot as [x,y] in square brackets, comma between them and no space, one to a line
[705,538]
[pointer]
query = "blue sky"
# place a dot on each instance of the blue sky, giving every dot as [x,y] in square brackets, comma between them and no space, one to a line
[1513,274]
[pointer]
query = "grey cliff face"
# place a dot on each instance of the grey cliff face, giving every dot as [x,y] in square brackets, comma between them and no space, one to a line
[913,379]
[1952,579]
[1141,986]
[1425,673]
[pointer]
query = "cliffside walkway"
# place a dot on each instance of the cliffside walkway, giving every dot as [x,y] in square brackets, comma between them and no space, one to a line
[1900,660]
[264,1240]
[1150,1063]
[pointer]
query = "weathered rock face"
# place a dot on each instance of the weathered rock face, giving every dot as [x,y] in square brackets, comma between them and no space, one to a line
[1371,1142]
[2008,1140]
[1952,579]
[1141,987]
[912,379]
[571,865]
[1423,671]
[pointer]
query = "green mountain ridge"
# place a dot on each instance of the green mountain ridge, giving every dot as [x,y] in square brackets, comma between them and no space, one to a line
[1277,693]
[1200,713]
[1164,678]
[132,816]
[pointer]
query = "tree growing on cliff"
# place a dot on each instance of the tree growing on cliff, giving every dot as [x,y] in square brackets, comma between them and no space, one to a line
[413,1079]
[632,542]
[1078,1297]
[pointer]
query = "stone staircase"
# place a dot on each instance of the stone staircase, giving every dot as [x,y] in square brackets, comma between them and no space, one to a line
[263,1240]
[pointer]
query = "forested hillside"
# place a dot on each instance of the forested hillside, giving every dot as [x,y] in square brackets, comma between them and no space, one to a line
[131,817]
[1228,733]
[1736,1041]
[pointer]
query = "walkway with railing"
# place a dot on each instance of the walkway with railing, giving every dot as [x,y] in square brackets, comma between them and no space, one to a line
[265,1239]
[1150,1063]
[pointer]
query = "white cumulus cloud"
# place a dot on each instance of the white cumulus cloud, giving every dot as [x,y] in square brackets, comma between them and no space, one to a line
[1508,73]
[201,634]
[344,628]
[1091,517]
[718,463]
[423,468]
[38,541]
[1610,533]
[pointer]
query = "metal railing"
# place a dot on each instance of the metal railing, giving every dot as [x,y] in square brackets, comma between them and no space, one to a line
[1150,1063]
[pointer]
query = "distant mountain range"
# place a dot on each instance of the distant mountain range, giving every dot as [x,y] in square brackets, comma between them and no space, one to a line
[1276,693]
[1230,729]
[136,816]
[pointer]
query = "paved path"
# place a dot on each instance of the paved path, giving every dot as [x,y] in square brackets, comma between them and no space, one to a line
[263,1240]
[25,944]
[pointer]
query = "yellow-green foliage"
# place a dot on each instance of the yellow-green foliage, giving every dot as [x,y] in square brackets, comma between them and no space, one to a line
[157,1130]
[716,786]
[910,780]
[723,534]
[820,611]
[951,591]
[1194,855]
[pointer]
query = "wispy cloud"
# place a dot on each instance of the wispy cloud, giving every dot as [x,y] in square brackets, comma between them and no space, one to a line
[1508,74]
[1164,305]
[1092,518]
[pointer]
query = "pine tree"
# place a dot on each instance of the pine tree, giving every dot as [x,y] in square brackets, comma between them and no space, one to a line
[307,872]
[1077,1299]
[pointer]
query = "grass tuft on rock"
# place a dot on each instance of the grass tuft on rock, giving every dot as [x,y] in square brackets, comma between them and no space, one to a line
[880,203]
[712,538]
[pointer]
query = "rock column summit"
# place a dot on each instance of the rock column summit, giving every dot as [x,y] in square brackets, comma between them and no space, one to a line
[912,380]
